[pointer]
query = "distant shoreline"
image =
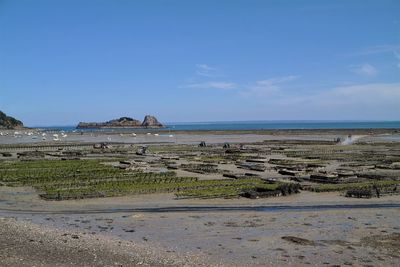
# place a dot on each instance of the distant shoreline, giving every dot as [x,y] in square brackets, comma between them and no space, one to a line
[243,126]
[117,127]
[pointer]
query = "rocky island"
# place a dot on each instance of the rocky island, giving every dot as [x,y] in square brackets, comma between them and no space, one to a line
[7,122]
[123,122]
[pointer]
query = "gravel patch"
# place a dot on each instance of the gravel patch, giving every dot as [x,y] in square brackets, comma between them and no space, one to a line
[27,244]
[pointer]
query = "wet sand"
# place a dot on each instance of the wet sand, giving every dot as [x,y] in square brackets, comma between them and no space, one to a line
[195,137]
[224,238]
[311,238]
[27,199]
[35,232]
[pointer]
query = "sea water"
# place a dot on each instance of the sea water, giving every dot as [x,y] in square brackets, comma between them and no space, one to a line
[252,125]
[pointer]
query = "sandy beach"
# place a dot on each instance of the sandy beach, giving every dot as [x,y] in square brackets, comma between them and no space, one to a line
[228,238]
[160,229]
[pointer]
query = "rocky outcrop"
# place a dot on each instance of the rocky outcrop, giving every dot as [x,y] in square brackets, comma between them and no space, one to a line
[123,122]
[7,122]
[151,121]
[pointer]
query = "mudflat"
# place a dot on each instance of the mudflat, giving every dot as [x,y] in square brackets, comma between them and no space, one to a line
[293,198]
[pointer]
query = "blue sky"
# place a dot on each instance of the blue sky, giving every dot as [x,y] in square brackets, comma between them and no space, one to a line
[62,62]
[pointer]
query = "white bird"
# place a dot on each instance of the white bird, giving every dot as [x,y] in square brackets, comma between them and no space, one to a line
[44,134]
[148,133]
[171,135]
[156,134]
[133,134]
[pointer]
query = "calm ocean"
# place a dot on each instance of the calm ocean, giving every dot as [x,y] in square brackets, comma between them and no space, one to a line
[257,125]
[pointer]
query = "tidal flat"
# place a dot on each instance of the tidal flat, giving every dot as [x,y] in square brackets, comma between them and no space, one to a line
[264,198]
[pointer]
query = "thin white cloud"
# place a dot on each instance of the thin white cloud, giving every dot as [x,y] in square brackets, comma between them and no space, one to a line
[373,101]
[373,97]
[375,93]
[397,56]
[365,69]
[205,70]
[393,49]
[213,85]
[267,87]
[378,49]
[277,80]
[204,80]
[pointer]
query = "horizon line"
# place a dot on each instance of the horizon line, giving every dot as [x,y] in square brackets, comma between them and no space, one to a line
[248,121]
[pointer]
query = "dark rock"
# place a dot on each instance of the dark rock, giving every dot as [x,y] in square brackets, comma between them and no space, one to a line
[226,145]
[142,151]
[298,240]
[101,146]
[232,151]
[324,178]
[202,144]
[123,122]
[150,122]
[287,172]
[7,122]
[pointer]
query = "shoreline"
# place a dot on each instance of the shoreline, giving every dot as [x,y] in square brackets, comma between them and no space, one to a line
[195,137]
[200,209]
[207,131]
[26,200]
[224,131]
